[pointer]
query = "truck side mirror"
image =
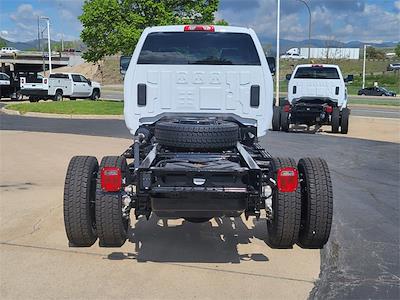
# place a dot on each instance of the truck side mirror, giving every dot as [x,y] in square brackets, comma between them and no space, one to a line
[271,64]
[124,64]
[288,76]
[349,78]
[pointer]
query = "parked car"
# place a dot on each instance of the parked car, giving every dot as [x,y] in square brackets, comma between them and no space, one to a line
[393,66]
[317,95]
[9,87]
[9,50]
[196,100]
[376,91]
[5,85]
[292,56]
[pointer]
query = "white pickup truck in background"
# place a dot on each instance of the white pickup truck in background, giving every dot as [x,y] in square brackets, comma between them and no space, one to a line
[72,86]
[59,86]
[34,86]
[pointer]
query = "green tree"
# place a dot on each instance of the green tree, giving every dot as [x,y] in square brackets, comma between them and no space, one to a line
[397,50]
[113,26]
[375,53]
[2,43]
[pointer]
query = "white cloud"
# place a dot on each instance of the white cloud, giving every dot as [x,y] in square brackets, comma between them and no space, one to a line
[343,20]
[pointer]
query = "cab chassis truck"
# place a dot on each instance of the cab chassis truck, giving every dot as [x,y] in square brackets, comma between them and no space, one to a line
[197,159]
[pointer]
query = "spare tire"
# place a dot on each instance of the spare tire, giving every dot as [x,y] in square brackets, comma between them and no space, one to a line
[192,133]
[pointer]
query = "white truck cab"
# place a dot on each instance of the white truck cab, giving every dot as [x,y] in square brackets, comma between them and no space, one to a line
[318,80]
[317,96]
[198,70]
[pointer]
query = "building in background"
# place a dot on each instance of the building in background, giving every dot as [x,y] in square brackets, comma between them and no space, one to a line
[323,53]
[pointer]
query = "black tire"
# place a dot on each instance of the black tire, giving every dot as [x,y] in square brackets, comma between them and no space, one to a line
[19,96]
[317,203]
[112,227]
[33,99]
[197,134]
[335,120]
[79,201]
[197,220]
[344,121]
[95,94]
[283,229]
[58,96]
[72,98]
[276,119]
[285,122]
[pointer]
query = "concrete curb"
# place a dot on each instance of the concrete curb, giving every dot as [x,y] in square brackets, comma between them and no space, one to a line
[61,116]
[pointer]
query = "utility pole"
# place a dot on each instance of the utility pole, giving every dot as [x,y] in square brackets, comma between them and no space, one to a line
[48,40]
[38,32]
[309,28]
[278,12]
[364,58]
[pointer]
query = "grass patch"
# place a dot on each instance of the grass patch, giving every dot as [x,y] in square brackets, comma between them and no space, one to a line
[71,107]
[375,101]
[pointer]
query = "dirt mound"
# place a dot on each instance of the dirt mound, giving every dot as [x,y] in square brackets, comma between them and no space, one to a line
[105,71]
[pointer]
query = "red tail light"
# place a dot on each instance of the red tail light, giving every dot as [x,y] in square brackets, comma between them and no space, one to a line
[111,179]
[328,109]
[288,179]
[199,28]
[286,108]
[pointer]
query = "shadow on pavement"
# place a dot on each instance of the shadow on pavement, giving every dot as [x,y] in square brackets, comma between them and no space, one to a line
[156,241]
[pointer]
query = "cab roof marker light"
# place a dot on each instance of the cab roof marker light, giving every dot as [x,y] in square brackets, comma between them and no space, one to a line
[210,28]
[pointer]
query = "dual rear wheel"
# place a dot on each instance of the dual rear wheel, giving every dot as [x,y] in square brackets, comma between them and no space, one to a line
[340,119]
[90,212]
[305,215]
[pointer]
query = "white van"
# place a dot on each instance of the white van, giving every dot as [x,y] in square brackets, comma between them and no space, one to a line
[317,95]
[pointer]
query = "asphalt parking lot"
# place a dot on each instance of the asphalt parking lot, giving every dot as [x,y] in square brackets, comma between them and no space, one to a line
[227,258]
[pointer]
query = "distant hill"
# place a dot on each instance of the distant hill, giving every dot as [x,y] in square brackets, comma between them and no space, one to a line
[284,44]
[287,44]
[30,45]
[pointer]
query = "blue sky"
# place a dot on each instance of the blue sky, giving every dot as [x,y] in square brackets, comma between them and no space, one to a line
[343,20]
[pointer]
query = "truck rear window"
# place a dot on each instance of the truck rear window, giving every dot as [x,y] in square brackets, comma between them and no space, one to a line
[203,48]
[317,73]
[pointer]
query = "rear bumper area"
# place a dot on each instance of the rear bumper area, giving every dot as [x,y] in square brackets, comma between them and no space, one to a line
[197,185]
[309,114]
[187,202]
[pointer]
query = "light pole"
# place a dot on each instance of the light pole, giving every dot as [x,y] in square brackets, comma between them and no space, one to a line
[48,39]
[365,54]
[309,27]
[278,12]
